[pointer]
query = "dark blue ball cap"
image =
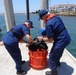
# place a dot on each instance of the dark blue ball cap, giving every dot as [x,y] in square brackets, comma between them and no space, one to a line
[30,22]
[42,12]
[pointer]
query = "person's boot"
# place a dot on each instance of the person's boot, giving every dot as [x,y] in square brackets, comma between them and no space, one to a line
[23,62]
[53,72]
[21,72]
[58,64]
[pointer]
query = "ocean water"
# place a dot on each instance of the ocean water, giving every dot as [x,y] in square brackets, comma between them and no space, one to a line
[69,21]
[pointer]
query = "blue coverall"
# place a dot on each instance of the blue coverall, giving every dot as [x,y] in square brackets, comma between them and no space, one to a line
[55,29]
[11,40]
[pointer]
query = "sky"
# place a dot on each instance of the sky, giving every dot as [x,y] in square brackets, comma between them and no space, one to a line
[19,6]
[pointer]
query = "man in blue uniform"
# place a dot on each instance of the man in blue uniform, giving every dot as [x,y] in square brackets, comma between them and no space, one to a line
[11,40]
[56,32]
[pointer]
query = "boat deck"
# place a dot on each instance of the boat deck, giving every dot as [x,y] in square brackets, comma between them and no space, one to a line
[7,65]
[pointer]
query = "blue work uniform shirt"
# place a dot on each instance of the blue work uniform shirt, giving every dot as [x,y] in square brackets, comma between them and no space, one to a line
[55,29]
[19,30]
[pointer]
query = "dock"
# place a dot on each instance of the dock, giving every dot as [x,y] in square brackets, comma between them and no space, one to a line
[7,65]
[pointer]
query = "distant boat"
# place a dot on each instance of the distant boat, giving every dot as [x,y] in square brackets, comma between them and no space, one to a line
[0,29]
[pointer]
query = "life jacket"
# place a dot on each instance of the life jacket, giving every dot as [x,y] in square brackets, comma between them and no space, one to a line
[49,17]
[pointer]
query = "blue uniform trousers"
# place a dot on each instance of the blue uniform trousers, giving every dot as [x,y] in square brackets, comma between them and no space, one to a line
[15,53]
[55,56]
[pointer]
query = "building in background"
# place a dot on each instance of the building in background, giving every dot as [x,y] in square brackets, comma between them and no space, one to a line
[63,8]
